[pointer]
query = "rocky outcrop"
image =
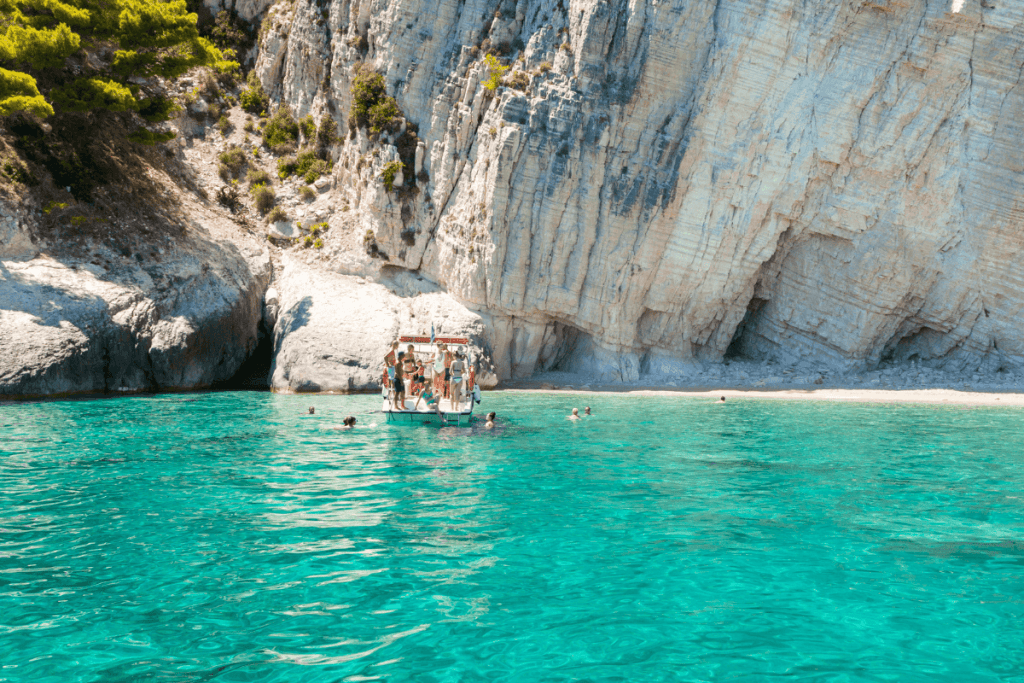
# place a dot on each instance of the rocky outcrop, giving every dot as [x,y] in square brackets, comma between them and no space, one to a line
[826,184]
[180,317]
[332,330]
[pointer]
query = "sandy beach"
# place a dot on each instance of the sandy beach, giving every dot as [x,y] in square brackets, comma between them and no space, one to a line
[934,396]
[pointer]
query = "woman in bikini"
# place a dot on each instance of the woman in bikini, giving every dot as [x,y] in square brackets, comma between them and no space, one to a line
[458,367]
[428,396]
[409,367]
[439,370]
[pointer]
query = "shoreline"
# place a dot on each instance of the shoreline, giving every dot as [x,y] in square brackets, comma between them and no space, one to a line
[927,396]
[1010,397]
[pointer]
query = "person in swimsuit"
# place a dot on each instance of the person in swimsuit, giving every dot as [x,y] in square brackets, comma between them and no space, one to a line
[390,360]
[447,372]
[427,396]
[399,385]
[575,414]
[439,371]
[409,368]
[389,367]
[458,367]
[490,421]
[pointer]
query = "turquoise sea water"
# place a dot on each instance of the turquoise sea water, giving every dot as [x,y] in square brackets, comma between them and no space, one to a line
[230,537]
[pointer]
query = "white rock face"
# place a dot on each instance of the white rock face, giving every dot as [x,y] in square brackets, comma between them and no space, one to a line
[68,325]
[333,331]
[827,183]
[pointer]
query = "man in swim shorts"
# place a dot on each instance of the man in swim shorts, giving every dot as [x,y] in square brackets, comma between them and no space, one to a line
[399,384]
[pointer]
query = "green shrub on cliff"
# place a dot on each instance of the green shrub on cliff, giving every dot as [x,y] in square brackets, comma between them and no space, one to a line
[497,71]
[234,159]
[308,127]
[326,134]
[389,173]
[372,107]
[263,197]
[281,129]
[254,99]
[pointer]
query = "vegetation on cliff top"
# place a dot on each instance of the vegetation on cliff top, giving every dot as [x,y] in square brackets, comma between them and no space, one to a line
[89,55]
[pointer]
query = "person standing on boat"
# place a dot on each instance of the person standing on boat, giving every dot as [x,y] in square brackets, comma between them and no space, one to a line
[399,394]
[448,358]
[440,371]
[458,367]
[409,366]
[389,365]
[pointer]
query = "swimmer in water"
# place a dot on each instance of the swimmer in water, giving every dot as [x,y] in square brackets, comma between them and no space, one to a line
[312,410]
[490,421]
[575,414]
[586,411]
[349,422]
[721,400]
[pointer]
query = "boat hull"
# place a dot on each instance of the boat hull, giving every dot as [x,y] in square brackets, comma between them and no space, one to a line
[423,416]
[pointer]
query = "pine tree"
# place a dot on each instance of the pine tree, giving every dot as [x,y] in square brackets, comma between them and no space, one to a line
[90,55]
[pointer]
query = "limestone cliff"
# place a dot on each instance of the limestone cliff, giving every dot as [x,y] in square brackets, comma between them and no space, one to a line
[182,315]
[826,183]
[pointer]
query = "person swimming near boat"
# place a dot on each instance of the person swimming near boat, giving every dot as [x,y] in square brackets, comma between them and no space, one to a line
[490,421]
[575,414]
[458,366]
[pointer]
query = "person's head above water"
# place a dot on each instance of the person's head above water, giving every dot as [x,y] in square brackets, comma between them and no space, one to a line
[349,421]
[586,411]
[312,410]
[722,400]
[491,416]
[576,411]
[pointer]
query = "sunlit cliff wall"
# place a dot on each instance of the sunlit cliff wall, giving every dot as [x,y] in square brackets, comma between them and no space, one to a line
[832,183]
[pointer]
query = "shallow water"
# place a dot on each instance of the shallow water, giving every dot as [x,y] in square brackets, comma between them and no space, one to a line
[230,537]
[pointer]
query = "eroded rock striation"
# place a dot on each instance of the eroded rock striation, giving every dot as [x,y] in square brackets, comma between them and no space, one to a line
[830,184]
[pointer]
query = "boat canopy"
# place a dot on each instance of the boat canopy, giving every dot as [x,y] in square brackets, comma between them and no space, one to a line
[437,340]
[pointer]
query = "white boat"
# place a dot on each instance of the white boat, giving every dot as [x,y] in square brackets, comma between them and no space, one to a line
[446,413]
